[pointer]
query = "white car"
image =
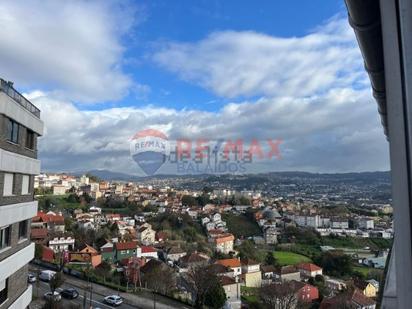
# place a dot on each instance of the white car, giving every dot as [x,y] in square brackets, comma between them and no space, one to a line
[55,296]
[113,300]
[46,275]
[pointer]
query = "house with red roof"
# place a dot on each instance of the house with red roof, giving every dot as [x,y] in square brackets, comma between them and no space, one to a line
[149,252]
[39,235]
[305,293]
[349,299]
[53,222]
[126,249]
[234,264]
[308,270]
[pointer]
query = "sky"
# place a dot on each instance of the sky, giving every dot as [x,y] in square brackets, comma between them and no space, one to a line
[208,69]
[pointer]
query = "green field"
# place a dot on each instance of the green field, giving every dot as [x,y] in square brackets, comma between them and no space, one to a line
[290,258]
[241,225]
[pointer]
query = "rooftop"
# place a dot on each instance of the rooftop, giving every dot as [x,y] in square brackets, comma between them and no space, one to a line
[7,88]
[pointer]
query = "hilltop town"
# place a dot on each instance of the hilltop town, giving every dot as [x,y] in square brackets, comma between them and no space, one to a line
[321,238]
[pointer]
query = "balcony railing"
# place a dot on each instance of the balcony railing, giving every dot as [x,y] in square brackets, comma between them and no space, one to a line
[7,87]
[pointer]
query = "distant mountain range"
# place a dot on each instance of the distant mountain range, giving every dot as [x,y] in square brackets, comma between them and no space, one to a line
[281,176]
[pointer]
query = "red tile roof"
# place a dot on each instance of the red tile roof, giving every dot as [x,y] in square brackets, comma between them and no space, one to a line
[39,233]
[229,262]
[148,249]
[309,267]
[127,245]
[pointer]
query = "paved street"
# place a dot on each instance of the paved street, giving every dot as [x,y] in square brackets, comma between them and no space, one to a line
[99,292]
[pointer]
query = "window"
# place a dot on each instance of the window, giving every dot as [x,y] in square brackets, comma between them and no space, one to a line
[8,184]
[25,185]
[5,237]
[13,131]
[23,229]
[3,290]
[30,139]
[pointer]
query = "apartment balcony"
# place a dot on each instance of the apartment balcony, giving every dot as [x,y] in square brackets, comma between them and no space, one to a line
[7,88]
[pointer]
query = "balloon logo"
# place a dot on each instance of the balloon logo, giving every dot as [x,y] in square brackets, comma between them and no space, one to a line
[149,149]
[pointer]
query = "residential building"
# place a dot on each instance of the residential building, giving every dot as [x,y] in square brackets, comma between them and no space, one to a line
[174,253]
[233,264]
[251,274]
[59,244]
[126,249]
[145,234]
[350,299]
[271,236]
[107,252]
[305,293]
[308,270]
[367,288]
[223,243]
[232,290]
[288,273]
[20,125]
[366,223]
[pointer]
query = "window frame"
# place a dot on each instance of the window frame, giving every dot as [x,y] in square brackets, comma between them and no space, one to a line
[13,131]
[5,237]
[4,293]
[23,235]
[23,192]
[30,139]
[13,180]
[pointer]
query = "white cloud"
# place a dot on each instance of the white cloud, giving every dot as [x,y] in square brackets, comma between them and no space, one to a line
[338,131]
[248,63]
[71,47]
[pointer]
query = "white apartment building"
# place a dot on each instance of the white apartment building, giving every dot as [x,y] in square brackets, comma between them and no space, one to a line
[20,125]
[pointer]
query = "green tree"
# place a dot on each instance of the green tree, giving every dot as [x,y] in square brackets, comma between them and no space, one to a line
[270,259]
[189,200]
[335,263]
[215,296]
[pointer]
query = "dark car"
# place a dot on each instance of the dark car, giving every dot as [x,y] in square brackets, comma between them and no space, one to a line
[69,293]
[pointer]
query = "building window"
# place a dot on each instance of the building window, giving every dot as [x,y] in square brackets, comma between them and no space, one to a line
[5,237]
[30,139]
[13,131]
[23,229]
[8,184]
[3,290]
[25,184]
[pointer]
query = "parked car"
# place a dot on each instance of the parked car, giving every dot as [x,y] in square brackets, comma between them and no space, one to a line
[113,300]
[55,296]
[46,275]
[31,278]
[69,293]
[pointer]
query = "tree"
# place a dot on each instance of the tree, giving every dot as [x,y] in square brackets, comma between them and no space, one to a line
[215,296]
[270,259]
[278,296]
[38,251]
[160,278]
[202,279]
[335,263]
[189,200]
[56,281]
[103,270]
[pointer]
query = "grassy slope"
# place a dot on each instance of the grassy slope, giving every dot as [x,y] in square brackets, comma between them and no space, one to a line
[290,258]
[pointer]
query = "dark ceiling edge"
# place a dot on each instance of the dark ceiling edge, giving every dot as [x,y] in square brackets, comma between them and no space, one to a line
[365,19]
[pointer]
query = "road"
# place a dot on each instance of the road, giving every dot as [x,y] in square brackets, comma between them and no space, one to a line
[144,301]
[40,288]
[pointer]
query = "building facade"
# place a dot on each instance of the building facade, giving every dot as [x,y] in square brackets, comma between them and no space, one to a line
[20,125]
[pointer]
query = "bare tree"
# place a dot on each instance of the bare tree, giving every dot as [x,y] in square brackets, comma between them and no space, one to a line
[278,296]
[201,279]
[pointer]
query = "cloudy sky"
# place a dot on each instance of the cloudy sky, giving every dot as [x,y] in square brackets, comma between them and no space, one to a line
[102,70]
